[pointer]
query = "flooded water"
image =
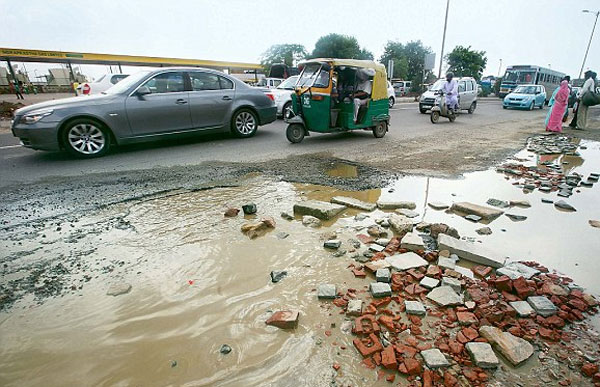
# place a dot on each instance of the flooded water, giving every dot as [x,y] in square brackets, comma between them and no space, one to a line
[198,282]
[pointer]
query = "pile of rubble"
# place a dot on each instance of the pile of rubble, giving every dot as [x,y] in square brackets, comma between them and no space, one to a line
[437,323]
[7,108]
[551,144]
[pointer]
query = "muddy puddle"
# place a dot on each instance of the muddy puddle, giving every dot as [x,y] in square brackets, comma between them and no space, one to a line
[198,282]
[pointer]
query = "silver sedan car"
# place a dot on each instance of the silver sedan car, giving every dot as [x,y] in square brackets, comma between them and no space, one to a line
[145,106]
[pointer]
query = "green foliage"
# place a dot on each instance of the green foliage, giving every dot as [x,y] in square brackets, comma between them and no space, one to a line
[408,60]
[339,46]
[282,53]
[464,62]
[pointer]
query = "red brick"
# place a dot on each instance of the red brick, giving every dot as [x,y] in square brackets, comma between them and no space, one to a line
[589,369]
[388,358]
[427,378]
[366,324]
[470,333]
[391,378]
[387,322]
[522,288]
[466,318]
[368,350]
[359,273]
[336,366]
[413,366]
[285,319]
[504,284]
[481,271]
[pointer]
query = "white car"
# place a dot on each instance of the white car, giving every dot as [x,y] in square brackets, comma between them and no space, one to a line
[391,94]
[282,95]
[269,83]
[104,83]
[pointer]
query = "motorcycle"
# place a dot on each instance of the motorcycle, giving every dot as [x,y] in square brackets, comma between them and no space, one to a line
[441,109]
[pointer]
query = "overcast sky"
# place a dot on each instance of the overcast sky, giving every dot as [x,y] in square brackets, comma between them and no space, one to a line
[543,32]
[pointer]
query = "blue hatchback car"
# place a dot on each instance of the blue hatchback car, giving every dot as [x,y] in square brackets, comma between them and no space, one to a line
[526,97]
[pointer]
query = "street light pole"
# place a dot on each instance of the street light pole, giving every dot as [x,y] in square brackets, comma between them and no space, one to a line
[590,42]
[444,38]
[499,67]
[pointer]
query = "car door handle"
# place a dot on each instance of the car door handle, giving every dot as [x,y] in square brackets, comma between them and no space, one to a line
[226,98]
[181,101]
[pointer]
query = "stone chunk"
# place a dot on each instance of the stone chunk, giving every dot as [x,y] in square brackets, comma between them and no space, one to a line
[400,224]
[332,244]
[285,319]
[318,209]
[380,289]
[497,203]
[392,205]
[522,308]
[414,307]
[446,263]
[473,218]
[408,213]
[520,203]
[434,358]
[438,205]
[311,221]
[383,275]
[542,305]
[513,348]
[406,261]
[353,203]
[484,231]
[564,206]
[326,291]
[515,270]
[487,213]
[118,289]
[412,241]
[277,276]
[454,283]
[376,247]
[354,308]
[469,251]
[249,208]
[445,296]
[482,354]
[429,283]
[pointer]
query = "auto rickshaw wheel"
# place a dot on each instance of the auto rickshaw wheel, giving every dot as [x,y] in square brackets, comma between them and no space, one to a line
[295,133]
[435,117]
[380,129]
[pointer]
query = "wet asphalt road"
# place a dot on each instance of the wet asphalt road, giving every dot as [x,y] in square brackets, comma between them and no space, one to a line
[21,165]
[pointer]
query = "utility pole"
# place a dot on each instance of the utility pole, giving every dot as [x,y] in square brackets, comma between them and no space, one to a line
[500,68]
[590,42]
[444,38]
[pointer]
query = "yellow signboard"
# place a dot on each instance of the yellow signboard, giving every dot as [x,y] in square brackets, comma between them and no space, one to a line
[26,55]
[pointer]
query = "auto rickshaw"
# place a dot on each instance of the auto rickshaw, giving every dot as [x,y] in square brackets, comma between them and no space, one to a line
[338,95]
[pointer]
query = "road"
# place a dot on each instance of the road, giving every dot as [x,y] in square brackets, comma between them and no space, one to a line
[21,165]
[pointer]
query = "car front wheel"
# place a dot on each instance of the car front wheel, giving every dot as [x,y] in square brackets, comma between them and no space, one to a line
[86,138]
[244,123]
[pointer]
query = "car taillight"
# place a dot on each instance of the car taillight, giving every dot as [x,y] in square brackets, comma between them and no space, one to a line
[86,89]
[271,96]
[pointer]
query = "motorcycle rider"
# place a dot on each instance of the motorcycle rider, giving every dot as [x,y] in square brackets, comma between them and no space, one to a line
[450,88]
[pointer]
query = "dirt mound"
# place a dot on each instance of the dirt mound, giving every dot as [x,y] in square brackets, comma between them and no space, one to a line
[7,108]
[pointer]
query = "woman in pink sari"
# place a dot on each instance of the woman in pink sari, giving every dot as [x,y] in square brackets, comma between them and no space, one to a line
[558,109]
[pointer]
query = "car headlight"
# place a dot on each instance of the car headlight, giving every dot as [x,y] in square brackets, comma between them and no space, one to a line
[35,116]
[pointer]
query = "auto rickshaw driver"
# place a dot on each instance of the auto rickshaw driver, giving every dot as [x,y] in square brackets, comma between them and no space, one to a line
[363,90]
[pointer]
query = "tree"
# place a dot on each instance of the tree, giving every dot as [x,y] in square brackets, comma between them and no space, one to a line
[409,60]
[289,54]
[339,46]
[464,62]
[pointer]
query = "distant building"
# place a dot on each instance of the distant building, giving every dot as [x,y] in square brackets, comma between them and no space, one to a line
[62,77]
[5,77]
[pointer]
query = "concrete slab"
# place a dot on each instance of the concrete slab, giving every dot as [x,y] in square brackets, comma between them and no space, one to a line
[326,291]
[353,203]
[522,308]
[445,296]
[434,358]
[515,270]
[454,283]
[482,354]
[446,263]
[414,307]
[429,283]
[470,251]
[412,241]
[400,224]
[487,213]
[318,209]
[354,308]
[513,348]
[406,261]
[380,289]
[383,275]
[392,205]
[542,305]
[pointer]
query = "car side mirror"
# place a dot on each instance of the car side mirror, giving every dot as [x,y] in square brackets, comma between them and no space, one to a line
[142,91]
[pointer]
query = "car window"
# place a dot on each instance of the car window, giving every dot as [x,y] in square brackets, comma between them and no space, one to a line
[469,86]
[166,83]
[205,81]
[276,83]
[117,78]
[461,86]
[225,83]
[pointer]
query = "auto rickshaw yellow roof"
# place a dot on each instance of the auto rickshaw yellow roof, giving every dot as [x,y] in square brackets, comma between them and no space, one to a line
[369,64]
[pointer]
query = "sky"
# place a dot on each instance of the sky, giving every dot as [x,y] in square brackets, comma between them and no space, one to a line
[552,33]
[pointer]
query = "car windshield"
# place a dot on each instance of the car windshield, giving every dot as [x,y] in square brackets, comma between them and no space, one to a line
[525,90]
[437,85]
[289,83]
[308,74]
[519,76]
[126,83]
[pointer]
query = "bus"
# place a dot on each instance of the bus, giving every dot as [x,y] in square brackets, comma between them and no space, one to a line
[530,75]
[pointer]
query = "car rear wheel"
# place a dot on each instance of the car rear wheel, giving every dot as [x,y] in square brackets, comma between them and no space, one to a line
[380,129]
[244,123]
[295,133]
[86,138]
[472,108]
[391,102]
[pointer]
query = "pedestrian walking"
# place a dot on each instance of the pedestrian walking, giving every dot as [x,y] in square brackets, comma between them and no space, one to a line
[582,110]
[18,89]
[556,114]
[552,100]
